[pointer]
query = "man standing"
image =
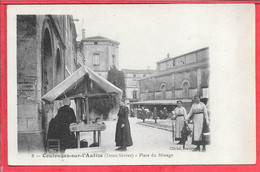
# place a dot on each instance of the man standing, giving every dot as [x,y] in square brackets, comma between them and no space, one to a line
[143,114]
[155,114]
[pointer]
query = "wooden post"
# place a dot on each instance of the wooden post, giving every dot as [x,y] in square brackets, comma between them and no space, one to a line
[87,110]
[86,92]
[78,110]
[82,100]
[94,137]
[78,139]
[99,138]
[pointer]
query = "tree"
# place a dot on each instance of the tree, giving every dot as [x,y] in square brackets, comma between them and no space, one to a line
[102,105]
[117,78]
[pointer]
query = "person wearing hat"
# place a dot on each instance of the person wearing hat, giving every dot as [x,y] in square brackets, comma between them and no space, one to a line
[61,124]
[179,117]
[200,117]
[123,137]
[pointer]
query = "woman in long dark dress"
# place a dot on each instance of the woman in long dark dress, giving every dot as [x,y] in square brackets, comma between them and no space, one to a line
[123,134]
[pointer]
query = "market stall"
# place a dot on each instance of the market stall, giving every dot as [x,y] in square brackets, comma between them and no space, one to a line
[82,85]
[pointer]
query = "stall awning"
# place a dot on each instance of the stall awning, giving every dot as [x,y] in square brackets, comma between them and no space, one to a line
[160,102]
[82,83]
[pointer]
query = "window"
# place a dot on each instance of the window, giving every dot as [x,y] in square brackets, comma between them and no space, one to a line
[191,58]
[134,75]
[134,94]
[173,62]
[96,60]
[163,91]
[134,83]
[114,60]
[146,94]
[144,75]
[95,43]
[185,89]
[59,76]
[163,66]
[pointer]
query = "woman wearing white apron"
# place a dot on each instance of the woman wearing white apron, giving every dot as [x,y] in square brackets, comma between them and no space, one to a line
[200,117]
[179,115]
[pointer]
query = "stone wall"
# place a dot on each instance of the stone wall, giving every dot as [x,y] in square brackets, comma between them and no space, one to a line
[105,52]
[41,59]
[29,123]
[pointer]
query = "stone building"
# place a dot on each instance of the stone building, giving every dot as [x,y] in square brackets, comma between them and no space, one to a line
[180,77]
[100,54]
[46,55]
[132,78]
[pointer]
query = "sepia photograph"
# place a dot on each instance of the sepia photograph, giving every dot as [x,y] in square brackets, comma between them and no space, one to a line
[147,84]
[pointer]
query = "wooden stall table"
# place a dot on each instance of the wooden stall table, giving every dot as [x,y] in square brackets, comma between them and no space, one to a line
[82,127]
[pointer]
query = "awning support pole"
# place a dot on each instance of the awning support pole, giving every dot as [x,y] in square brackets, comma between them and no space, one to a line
[86,106]
[87,110]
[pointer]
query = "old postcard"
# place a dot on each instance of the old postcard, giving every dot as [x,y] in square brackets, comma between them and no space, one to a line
[134,84]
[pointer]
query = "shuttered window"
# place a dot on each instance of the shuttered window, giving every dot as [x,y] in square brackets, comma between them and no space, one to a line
[96,60]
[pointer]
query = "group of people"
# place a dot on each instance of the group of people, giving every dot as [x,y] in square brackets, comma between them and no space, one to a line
[199,115]
[59,126]
[144,113]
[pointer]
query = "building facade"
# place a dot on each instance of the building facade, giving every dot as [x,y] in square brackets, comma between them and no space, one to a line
[100,54]
[180,77]
[46,55]
[132,77]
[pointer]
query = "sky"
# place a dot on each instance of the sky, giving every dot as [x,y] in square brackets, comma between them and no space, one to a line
[147,33]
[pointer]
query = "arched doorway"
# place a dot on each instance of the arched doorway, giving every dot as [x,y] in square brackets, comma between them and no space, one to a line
[47,63]
[47,79]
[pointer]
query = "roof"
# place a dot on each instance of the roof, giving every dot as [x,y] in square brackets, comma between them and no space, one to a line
[142,71]
[160,102]
[101,39]
[167,59]
[82,83]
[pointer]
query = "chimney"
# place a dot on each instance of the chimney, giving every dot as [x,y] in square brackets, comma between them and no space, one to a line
[83,33]
[168,55]
[148,67]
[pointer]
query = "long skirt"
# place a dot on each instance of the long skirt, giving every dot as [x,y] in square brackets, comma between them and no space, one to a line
[178,127]
[198,120]
[123,135]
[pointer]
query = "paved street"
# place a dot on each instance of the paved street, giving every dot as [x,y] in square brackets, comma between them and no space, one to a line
[145,138]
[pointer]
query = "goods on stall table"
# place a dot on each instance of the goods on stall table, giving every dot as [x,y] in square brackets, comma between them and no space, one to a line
[86,127]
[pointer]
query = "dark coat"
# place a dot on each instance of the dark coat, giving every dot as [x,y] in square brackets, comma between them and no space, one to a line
[123,135]
[143,114]
[155,114]
[59,128]
[185,132]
